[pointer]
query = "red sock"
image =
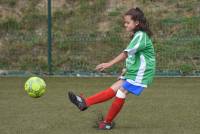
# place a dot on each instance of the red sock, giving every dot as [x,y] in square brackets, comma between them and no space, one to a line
[100,97]
[114,109]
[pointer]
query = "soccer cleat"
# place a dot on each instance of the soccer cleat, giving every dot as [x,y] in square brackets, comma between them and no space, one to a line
[105,126]
[79,101]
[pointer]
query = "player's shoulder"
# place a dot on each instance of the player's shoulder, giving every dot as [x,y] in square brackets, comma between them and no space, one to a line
[139,34]
[142,34]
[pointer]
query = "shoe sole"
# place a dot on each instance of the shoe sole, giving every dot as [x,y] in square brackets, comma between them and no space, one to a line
[73,99]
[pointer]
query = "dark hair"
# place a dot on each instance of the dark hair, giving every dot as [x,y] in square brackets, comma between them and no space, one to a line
[138,15]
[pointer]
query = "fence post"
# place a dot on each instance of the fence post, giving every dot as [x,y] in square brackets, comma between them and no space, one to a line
[49,37]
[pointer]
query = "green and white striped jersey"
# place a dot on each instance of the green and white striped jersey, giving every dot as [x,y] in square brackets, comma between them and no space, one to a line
[140,63]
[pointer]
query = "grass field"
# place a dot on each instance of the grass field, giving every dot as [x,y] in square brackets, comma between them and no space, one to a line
[169,106]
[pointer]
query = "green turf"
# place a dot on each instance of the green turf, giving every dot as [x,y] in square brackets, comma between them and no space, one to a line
[169,106]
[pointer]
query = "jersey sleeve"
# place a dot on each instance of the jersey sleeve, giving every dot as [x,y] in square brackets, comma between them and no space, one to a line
[138,43]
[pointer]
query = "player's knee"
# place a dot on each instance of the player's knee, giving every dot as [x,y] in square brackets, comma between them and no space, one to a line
[121,93]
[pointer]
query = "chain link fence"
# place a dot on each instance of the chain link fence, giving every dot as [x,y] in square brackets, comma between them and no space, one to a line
[85,34]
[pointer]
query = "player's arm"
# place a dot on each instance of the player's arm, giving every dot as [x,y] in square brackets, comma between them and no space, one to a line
[121,57]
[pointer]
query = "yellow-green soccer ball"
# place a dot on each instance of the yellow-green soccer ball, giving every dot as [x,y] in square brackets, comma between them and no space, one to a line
[35,87]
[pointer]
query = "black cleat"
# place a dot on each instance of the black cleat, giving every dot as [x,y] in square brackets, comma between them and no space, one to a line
[79,101]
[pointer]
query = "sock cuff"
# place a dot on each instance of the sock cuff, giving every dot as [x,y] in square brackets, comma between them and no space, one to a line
[119,99]
[111,89]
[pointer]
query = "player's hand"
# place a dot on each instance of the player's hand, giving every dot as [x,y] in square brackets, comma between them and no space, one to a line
[102,66]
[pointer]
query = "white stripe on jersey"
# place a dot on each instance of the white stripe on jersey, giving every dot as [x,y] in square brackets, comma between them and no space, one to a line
[140,73]
[141,69]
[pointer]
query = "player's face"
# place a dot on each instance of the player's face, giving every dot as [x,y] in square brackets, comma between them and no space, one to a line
[129,23]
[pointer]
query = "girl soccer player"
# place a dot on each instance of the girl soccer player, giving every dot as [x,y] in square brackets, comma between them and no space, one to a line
[139,59]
